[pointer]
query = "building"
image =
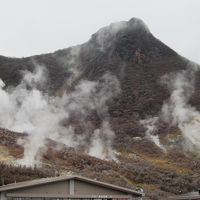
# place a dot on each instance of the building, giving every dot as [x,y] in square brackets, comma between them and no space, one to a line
[187,196]
[66,188]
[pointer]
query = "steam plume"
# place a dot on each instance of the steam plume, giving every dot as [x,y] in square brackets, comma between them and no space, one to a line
[101,145]
[27,109]
[177,111]
[151,128]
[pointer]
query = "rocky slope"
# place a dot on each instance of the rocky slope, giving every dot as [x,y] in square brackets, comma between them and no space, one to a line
[130,52]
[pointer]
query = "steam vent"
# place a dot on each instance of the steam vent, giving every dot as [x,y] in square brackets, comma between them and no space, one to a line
[73,188]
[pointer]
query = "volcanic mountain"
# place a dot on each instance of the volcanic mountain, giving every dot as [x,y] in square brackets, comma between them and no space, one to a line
[129,52]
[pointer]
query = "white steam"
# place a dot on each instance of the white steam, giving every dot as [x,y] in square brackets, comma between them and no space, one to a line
[27,109]
[102,140]
[2,84]
[177,111]
[151,128]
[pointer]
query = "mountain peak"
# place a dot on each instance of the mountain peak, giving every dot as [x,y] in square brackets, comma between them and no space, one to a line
[137,23]
[133,24]
[105,36]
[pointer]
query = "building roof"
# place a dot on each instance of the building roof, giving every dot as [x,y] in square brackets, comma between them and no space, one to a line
[43,181]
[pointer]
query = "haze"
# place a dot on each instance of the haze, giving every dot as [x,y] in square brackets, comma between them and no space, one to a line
[30,27]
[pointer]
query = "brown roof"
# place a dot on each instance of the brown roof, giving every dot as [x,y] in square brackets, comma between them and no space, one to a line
[43,181]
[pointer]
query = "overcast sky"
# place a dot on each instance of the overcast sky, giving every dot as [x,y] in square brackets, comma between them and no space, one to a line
[29,27]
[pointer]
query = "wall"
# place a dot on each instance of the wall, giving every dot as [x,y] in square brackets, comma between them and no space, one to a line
[50,188]
[84,188]
[2,196]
